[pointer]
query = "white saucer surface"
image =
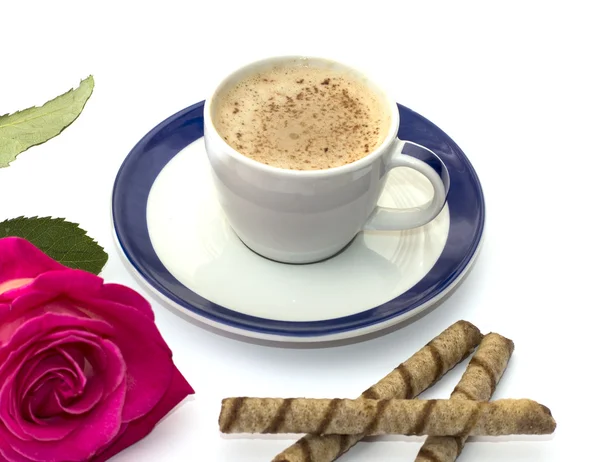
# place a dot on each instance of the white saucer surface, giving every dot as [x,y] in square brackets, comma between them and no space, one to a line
[192,238]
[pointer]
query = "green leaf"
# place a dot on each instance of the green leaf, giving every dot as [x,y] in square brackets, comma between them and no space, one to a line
[36,125]
[64,241]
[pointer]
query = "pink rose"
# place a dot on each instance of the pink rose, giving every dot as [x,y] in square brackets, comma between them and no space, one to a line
[84,372]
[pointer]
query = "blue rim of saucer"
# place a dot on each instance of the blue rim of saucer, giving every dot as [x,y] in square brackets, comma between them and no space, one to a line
[152,153]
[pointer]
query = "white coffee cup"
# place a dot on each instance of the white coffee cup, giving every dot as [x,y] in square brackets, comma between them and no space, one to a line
[304,216]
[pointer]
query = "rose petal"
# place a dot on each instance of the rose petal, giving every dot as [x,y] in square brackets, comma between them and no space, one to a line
[94,391]
[44,403]
[97,300]
[10,367]
[75,355]
[52,366]
[9,455]
[148,358]
[137,429]
[31,305]
[113,373]
[125,296]
[60,286]
[117,314]
[69,385]
[11,295]
[45,400]
[104,355]
[45,362]
[74,283]
[31,371]
[21,259]
[33,329]
[105,379]
[76,360]
[52,291]
[109,371]
[5,309]
[96,431]
[24,307]
[12,284]
[48,435]
[94,388]
[19,429]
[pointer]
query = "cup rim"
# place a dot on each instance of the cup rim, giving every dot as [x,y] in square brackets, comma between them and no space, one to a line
[346,168]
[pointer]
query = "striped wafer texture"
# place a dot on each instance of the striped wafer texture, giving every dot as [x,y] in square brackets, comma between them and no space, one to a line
[478,383]
[428,364]
[450,417]
[410,378]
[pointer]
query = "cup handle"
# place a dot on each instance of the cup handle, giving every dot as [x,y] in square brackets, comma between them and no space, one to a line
[425,161]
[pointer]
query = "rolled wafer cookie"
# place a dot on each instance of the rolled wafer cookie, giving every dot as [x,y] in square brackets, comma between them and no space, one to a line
[449,417]
[410,378]
[477,383]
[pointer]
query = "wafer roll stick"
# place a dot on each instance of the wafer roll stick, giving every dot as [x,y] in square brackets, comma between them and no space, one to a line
[477,383]
[388,416]
[410,378]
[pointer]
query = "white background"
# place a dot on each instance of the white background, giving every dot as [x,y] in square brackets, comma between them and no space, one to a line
[515,84]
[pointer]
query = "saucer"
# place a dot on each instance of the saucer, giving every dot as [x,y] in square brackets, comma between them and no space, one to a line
[171,229]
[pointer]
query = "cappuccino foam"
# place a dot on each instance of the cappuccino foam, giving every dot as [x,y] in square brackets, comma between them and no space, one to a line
[302,117]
